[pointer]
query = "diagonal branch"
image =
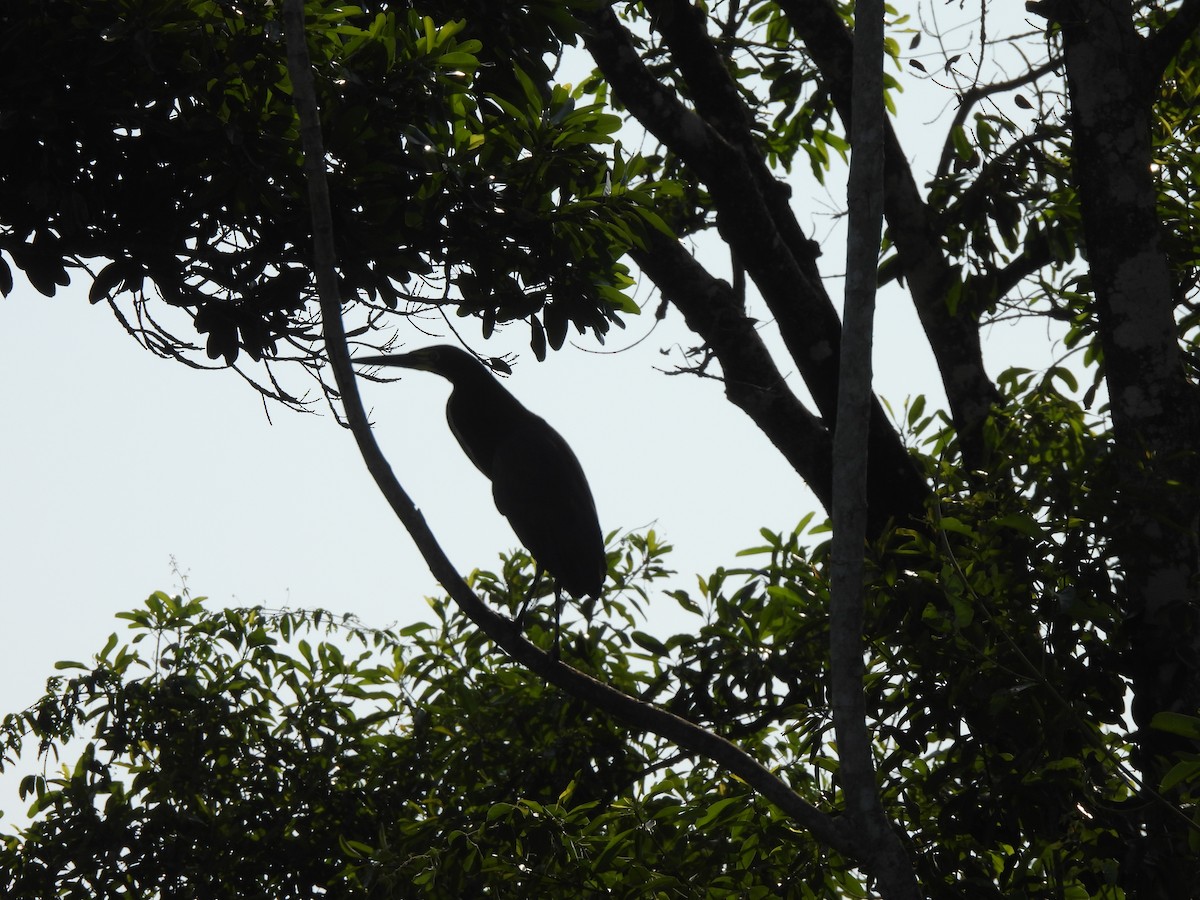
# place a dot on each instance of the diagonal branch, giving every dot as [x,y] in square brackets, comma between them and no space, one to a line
[976,93]
[501,631]
[753,383]
[718,101]
[747,221]
[954,339]
[1162,46]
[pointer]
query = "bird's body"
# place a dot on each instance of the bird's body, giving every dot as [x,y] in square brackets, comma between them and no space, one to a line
[537,481]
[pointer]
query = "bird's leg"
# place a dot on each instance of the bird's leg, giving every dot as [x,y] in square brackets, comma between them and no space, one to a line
[520,618]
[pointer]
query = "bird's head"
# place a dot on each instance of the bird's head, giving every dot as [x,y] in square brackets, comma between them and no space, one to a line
[442,359]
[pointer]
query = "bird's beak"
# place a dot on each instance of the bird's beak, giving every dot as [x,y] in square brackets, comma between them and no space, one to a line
[415,360]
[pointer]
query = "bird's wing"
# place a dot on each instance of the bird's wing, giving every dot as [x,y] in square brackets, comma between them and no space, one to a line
[539,486]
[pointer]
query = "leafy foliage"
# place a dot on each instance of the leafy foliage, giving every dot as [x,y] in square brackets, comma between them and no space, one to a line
[257,753]
[251,753]
[161,151]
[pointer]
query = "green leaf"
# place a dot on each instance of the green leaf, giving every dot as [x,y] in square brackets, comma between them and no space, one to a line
[532,94]
[1182,772]
[1177,723]
[650,643]
[715,810]
[956,526]
[916,409]
[500,811]
[459,60]
[1022,523]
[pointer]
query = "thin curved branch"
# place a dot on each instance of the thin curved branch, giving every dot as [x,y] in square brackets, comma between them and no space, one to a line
[503,632]
[970,97]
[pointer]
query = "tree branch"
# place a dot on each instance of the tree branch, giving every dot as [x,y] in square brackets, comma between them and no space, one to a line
[753,383]
[503,632]
[954,339]
[791,288]
[880,843]
[1162,46]
[718,100]
[969,98]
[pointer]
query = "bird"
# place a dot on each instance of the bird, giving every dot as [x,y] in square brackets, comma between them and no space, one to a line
[537,481]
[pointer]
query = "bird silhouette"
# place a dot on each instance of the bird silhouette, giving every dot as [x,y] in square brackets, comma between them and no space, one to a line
[537,481]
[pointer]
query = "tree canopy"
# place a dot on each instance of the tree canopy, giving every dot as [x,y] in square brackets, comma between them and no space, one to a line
[1030,627]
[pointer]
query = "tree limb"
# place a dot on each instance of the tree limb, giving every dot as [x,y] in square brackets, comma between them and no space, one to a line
[856,767]
[753,383]
[1162,46]
[791,288]
[968,99]
[718,100]
[954,339]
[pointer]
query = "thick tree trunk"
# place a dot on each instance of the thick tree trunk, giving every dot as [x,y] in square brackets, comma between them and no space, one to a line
[1154,413]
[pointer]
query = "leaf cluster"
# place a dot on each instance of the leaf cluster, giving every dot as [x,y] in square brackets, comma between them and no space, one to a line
[160,153]
[289,750]
[253,753]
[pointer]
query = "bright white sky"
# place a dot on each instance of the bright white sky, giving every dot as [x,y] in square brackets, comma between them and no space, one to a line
[116,462]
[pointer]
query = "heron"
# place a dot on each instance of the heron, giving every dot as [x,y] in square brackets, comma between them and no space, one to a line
[537,481]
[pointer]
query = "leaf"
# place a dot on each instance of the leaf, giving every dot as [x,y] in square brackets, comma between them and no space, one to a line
[555,317]
[686,602]
[106,280]
[1024,524]
[962,145]
[45,272]
[655,220]
[714,811]
[782,592]
[1186,771]
[529,88]
[649,642]
[109,645]
[537,338]
[458,60]
[956,526]
[915,410]
[1065,375]
[1177,723]
[499,811]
